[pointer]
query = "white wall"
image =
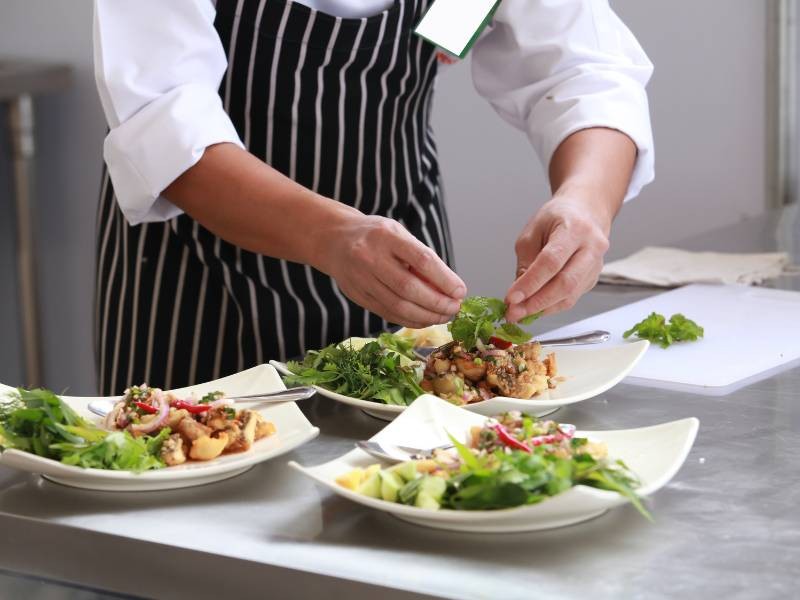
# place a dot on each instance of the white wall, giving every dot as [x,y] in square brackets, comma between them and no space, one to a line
[707,104]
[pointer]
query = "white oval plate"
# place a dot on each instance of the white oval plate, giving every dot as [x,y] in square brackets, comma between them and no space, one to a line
[587,372]
[655,454]
[293,429]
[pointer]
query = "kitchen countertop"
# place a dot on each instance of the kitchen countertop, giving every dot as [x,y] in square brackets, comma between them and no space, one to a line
[727,525]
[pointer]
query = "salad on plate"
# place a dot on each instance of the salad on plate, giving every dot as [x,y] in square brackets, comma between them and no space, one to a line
[511,460]
[483,357]
[147,429]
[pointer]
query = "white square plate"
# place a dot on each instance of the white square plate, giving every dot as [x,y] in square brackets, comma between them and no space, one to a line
[293,429]
[587,372]
[654,454]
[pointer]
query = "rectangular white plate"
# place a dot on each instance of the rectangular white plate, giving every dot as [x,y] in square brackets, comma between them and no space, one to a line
[293,429]
[654,453]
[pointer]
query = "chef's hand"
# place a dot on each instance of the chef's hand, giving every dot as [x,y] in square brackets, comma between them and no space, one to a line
[560,250]
[559,257]
[379,265]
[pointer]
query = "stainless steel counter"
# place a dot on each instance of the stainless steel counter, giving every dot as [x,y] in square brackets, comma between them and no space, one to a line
[726,526]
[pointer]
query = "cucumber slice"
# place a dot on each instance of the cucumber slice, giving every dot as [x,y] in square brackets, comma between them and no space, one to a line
[371,486]
[390,485]
[425,500]
[434,487]
[407,471]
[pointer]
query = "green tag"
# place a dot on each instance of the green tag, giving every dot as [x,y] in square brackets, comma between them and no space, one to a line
[454,25]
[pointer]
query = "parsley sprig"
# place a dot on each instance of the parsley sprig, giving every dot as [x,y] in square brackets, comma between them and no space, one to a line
[658,330]
[478,320]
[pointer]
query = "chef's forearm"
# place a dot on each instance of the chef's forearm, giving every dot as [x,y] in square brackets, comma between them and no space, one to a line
[248,203]
[594,166]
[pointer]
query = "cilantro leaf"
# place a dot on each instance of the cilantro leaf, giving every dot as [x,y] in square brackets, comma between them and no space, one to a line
[655,328]
[478,320]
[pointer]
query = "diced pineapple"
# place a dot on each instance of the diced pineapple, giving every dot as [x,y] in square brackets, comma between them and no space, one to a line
[352,479]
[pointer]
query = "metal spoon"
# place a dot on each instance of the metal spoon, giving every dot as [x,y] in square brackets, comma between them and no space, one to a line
[105,406]
[396,454]
[590,337]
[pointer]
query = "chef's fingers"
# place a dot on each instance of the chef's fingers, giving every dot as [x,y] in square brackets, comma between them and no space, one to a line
[402,310]
[428,265]
[528,245]
[369,301]
[407,285]
[545,267]
[563,290]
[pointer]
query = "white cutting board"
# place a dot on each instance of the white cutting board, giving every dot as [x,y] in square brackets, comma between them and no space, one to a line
[750,333]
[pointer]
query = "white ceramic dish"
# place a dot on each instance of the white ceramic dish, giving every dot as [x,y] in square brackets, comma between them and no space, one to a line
[293,429]
[654,453]
[587,372]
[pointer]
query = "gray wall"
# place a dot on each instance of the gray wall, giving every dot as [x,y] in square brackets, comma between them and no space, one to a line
[708,111]
[69,144]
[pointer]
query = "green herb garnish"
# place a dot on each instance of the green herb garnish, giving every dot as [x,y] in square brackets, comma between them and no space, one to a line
[211,397]
[656,329]
[478,318]
[370,372]
[40,422]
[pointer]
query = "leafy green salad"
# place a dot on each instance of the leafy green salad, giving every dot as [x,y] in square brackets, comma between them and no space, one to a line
[382,369]
[40,422]
[512,460]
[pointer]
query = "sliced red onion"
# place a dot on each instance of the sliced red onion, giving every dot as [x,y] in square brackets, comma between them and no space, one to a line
[496,352]
[159,420]
[220,402]
[567,429]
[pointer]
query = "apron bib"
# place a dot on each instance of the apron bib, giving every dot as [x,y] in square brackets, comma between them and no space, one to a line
[342,106]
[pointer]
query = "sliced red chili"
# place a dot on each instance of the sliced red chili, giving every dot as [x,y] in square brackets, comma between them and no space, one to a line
[145,407]
[194,409]
[509,440]
[498,343]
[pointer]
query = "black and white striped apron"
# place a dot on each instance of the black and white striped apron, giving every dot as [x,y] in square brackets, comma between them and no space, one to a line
[342,106]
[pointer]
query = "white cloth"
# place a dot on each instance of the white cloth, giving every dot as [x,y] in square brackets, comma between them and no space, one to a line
[671,267]
[549,68]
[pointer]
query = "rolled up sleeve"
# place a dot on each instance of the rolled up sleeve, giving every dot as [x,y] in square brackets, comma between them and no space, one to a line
[551,68]
[158,68]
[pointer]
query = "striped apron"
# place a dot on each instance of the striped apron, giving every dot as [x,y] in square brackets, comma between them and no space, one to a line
[342,106]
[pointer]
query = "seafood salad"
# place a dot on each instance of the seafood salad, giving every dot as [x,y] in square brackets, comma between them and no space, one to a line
[463,376]
[199,429]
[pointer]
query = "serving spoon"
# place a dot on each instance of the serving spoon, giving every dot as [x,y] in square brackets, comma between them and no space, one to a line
[105,406]
[590,337]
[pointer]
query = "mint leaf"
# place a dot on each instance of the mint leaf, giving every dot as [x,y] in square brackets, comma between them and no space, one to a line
[478,319]
[530,318]
[512,333]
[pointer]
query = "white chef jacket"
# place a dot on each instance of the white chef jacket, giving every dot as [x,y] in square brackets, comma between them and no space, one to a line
[549,67]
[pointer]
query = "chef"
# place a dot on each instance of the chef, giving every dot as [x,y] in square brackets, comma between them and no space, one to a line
[272,182]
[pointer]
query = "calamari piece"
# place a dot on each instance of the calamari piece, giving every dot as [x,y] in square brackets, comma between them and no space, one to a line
[192,430]
[208,448]
[172,452]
